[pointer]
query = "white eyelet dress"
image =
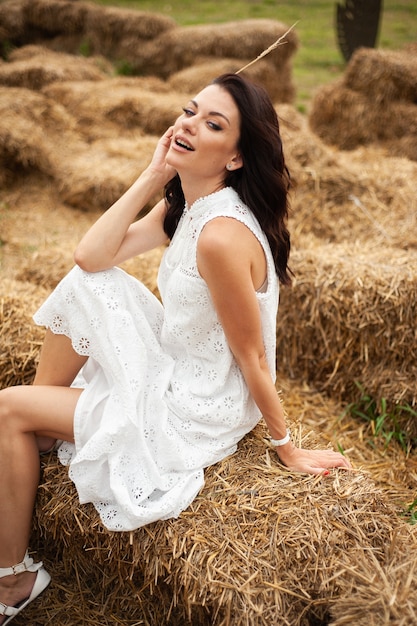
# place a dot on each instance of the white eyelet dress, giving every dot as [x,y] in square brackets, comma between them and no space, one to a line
[163,397]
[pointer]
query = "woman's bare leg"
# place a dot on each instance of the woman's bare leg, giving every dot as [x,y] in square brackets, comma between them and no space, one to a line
[58,362]
[24,413]
[58,365]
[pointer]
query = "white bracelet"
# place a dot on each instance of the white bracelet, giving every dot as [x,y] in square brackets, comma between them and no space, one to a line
[281,442]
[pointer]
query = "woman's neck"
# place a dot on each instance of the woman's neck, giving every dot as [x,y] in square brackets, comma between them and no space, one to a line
[194,190]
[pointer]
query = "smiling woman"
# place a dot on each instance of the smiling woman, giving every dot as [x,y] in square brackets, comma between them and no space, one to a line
[146,394]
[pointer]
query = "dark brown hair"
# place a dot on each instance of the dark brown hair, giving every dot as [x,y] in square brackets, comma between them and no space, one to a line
[263,181]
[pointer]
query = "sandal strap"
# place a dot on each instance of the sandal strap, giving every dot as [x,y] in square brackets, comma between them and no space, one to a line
[27,565]
[8,611]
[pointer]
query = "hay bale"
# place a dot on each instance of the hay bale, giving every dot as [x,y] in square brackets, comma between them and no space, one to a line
[37,133]
[66,25]
[347,119]
[104,27]
[13,27]
[119,33]
[393,603]
[364,197]
[277,81]
[46,267]
[258,546]
[361,196]
[20,339]
[29,125]
[123,103]
[57,16]
[34,67]
[373,103]
[383,75]
[244,39]
[98,175]
[351,317]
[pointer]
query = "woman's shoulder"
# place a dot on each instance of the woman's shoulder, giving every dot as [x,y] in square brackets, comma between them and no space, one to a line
[227,203]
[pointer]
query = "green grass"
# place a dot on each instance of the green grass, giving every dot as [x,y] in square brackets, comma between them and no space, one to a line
[410,513]
[385,423]
[318,61]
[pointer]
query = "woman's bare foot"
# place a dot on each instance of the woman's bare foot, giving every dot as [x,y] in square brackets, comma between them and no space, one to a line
[15,589]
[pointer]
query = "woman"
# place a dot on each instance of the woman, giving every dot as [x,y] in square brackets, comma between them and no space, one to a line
[146,396]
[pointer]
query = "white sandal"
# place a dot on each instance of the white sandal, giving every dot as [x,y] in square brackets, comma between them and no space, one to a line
[42,580]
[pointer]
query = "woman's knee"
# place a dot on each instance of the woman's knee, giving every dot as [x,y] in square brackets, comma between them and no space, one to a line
[8,405]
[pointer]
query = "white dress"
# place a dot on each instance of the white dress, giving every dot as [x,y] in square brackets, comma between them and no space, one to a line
[163,396]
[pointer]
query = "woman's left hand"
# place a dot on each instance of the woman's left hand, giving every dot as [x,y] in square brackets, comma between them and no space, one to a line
[311,461]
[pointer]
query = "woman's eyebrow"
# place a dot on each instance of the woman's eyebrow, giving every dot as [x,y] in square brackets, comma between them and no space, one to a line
[212,112]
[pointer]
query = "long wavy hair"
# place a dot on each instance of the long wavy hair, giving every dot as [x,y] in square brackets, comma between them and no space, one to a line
[264,180]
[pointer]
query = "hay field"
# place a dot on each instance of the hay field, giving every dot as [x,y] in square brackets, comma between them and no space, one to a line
[259,545]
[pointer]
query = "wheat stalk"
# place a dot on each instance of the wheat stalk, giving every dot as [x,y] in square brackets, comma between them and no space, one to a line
[277,43]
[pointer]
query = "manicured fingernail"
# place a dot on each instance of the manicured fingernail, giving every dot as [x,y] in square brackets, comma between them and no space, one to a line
[326,473]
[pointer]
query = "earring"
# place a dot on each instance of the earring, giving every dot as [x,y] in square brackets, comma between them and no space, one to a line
[229,166]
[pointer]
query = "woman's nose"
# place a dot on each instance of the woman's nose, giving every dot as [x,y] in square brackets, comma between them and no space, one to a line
[189,124]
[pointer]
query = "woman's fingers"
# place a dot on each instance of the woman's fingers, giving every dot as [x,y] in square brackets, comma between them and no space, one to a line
[316,461]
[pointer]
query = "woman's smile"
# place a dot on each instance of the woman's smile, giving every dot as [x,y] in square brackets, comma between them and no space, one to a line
[182,143]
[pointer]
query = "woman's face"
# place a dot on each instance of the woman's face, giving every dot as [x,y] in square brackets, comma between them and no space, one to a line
[205,136]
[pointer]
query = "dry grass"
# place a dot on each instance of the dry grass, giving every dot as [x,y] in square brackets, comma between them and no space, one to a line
[20,340]
[277,82]
[127,103]
[366,196]
[33,67]
[356,307]
[178,48]
[374,102]
[258,545]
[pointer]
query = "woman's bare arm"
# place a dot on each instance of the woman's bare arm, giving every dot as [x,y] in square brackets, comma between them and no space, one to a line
[227,258]
[116,236]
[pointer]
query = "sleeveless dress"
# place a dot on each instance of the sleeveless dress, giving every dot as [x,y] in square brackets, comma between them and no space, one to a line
[162,397]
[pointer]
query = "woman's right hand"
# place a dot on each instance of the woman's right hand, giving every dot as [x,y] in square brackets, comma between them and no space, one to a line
[158,164]
[311,461]
[118,235]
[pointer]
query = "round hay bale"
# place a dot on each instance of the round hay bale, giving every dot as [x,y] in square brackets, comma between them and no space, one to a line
[244,39]
[34,67]
[356,308]
[277,81]
[20,339]
[258,546]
